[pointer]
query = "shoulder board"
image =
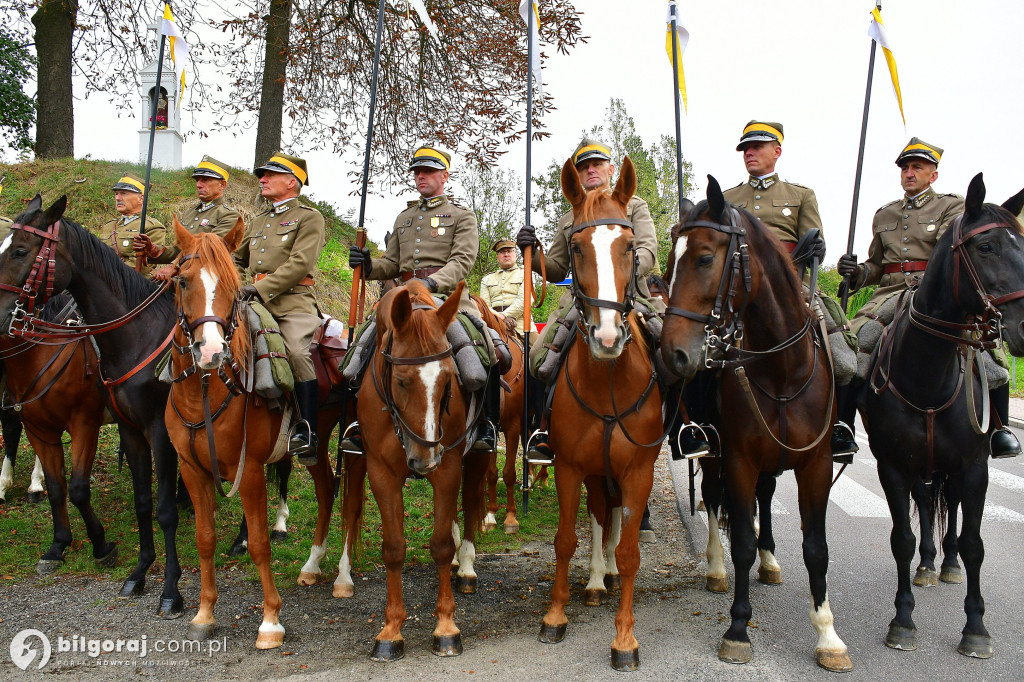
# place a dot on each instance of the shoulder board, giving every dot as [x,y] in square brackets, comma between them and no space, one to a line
[891,203]
[735,187]
[797,184]
[951,194]
[412,204]
[458,206]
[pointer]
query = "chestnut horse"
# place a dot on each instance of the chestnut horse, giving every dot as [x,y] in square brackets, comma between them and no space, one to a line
[736,304]
[240,435]
[606,424]
[920,413]
[414,416]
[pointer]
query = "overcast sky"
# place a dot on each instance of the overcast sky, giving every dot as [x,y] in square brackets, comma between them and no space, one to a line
[800,62]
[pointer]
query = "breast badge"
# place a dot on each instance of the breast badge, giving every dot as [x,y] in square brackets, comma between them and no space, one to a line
[787,212]
[931,228]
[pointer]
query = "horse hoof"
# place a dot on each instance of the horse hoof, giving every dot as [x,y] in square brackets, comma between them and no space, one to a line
[595,597]
[35,497]
[926,577]
[952,575]
[834,661]
[200,632]
[171,608]
[899,637]
[551,634]
[48,566]
[613,583]
[625,661]
[238,549]
[109,560]
[343,591]
[648,537]
[488,526]
[976,646]
[734,652]
[465,584]
[701,507]
[269,640]
[447,645]
[387,650]
[307,579]
[132,588]
[715,584]
[769,576]
[278,535]
[511,528]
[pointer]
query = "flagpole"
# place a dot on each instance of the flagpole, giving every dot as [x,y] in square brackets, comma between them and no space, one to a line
[527,258]
[140,258]
[675,96]
[860,166]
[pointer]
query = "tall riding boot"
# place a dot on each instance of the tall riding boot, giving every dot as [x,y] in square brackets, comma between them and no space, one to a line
[540,449]
[1003,442]
[843,443]
[486,436]
[303,443]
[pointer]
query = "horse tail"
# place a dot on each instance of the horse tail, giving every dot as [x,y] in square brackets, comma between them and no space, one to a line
[939,505]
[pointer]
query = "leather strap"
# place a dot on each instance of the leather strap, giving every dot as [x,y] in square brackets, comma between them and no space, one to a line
[906,266]
[420,273]
[306,281]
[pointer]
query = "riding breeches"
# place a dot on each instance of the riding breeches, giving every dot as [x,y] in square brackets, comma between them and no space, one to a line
[297,330]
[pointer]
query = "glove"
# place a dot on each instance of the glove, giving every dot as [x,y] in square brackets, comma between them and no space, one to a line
[527,237]
[847,266]
[818,250]
[249,293]
[360,257]
[165,273]
[430,284]
[144,245]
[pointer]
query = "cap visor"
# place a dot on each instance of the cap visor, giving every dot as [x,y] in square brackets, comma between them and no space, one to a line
[427,163]
[592,155]
[125,186]
[206,173]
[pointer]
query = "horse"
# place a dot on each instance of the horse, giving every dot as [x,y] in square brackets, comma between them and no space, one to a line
[46,253]
[736,304]
[606,401]
[12,429]
[412,379]
[923,368]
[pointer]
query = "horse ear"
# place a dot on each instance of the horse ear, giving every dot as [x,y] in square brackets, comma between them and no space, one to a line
[36,203]
[685,206]
[572,188]
[401,309]
[716,201]
[975,197]
[234,237]
[184,238]
[446,313]
[1015,203]
[56,210]
[625,188]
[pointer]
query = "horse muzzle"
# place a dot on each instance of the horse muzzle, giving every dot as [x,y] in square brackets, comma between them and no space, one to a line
[607,341]
[425,466]
[209,355]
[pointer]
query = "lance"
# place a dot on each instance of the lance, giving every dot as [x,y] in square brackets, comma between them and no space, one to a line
[675,96]
[140,259]
[355,311]
[860,167]
[527,259]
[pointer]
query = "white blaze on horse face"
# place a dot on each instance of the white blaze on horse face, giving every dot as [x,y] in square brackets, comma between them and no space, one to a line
[678,256]
[213,342]
[429,374]
[7,242]
[607,331]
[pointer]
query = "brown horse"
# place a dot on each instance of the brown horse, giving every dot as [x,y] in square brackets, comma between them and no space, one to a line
[737,305]
[414,417]
[240,436]
[606,423]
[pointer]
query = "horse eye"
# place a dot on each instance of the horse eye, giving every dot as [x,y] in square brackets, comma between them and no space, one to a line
[20,253]
[985,248]
[705,260]
[181,282]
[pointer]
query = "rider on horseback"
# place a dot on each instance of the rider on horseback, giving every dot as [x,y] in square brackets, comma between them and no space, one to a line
[120,233]
[904,236]
[436,242]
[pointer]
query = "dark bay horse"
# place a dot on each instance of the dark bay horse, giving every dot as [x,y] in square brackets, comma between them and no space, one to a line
[11,427]
[236,437]
[46,253]
[736,304]
[927,412]
[606,423]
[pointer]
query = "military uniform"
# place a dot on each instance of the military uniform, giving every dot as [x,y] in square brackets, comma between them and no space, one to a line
[789,209]
[119,233]
[502,290]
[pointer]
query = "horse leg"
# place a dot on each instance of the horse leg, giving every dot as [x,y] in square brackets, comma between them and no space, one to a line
[769,571]
[636,488]
[490,521]
[165,463]
[975,640]
[389,645]
[612,579]
[140,464]
[84,437]
[716,579]
[508,474]
[445,481]
[323,484]
[950,572]
[240,545]
[253,492]
[925,575]
[6,476]
[902,630]
[284,472]
[735,647]
[813,483]
[36,483]
[475,468]
[49,450]
[353,494]
[10,424]
[200,486]
[596,593]
[567,486]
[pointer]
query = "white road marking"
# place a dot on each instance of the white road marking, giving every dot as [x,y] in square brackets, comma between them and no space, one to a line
[858,501]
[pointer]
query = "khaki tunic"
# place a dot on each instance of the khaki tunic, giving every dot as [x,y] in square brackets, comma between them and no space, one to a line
[789,209]
[120,232]
[903,230]
[5,226]
[284,243]
[215,217]
[504,289]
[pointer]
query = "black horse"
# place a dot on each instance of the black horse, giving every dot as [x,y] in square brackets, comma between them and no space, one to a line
[918,414]
[106,289]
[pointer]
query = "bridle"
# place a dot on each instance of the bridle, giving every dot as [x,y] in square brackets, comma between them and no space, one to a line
[580,299]
[39,285]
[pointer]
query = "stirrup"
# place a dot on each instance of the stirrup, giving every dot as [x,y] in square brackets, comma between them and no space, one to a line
[845,454]
[534,456]
[306,452]
[348,444]
[705,451]
[481,445]
[1008,455]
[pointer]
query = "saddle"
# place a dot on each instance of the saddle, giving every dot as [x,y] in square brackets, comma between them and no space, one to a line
[328,349]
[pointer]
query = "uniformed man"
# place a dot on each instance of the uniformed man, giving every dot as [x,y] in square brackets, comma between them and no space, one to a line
[593,161]
[211,214]
[280,249]
[502,290]
[436,242]
[904,234]
[119,233]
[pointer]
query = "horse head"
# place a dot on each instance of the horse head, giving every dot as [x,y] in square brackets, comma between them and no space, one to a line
[207,295]
[416,375]
[603,259]
[28,259]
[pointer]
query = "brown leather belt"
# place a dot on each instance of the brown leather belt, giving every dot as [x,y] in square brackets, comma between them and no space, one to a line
[422,273]
[306,281]
[906,266]
[499,308]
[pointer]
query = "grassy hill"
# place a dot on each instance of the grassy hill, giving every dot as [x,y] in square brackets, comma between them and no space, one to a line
[88,186]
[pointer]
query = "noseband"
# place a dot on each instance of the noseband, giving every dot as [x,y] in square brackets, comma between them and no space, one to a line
[580,299]
[189,326]
[38,287]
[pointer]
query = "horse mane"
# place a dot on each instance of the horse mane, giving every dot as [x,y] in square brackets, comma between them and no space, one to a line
[419,295]
[590,202]
[489,318]
[212,252]
[1005,216]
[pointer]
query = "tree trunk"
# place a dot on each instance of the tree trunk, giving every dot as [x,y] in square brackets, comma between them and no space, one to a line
[55,122]
[268,128]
